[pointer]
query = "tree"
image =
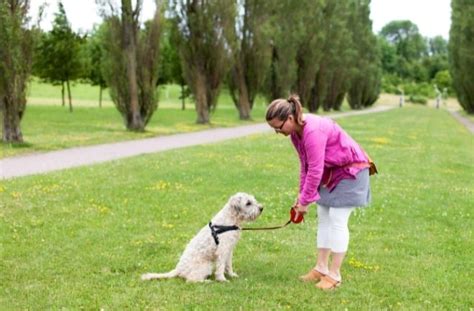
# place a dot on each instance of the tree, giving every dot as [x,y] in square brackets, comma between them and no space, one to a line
[16,52]
[404,35]
[309,51]
[131,62]
[251,54]
[389,56]
[205,32]
[58,55]
[461,48]
[281,73]
[333,75]
[170,64]
[438,46]
[95,59]
[410,47]
[366,77]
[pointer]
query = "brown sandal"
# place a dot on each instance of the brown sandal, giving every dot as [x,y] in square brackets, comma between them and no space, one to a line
[312,276]
[328,283]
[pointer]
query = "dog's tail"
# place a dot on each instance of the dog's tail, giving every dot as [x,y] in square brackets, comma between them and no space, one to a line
[156,276]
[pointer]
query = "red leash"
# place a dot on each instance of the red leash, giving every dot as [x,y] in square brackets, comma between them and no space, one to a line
[293,219]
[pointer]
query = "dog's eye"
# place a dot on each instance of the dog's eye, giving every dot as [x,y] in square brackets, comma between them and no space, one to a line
[249,203]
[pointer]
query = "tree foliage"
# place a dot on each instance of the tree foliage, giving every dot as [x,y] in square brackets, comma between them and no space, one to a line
[16,50]
[94,64]
[205,33]
[170,68]
[367,72]
[461,48]
[58,56]
[281,74]
[333,75]
[251,54]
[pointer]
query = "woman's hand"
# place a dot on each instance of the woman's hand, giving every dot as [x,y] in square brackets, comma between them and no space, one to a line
[302,209]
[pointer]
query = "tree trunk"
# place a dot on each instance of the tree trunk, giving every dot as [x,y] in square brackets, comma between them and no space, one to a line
[100,96]
[201,100]
[135,122]
[69,95]
[244,102]
[183,98]
[134,119]
[62,94]
[11,123]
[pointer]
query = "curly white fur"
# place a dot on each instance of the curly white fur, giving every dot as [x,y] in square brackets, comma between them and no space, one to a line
[196,263]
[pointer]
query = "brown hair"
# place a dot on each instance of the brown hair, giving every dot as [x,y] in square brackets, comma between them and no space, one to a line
[283,108]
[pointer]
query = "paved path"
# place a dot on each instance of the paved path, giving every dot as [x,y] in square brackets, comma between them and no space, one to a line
[67,158]
[466,121]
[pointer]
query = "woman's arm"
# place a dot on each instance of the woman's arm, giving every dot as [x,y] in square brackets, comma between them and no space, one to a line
[315,147]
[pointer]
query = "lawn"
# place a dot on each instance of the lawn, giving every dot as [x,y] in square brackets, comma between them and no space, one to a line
[81,238]
[48,126]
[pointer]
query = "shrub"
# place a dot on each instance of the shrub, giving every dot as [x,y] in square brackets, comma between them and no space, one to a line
[418,99]
[444,81]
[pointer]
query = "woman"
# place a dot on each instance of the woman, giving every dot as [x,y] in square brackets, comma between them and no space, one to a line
[334,173]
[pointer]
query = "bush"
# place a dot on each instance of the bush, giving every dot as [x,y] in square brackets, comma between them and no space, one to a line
[418,99]
[444,81]
[422,89]
[390,84]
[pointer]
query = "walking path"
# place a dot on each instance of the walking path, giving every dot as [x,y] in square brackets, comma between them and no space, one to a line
[462,119]
[67,158]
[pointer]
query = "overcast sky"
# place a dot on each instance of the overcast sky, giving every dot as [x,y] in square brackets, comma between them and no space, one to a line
[433,17]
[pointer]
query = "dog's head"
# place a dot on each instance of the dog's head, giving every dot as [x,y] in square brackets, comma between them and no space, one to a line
[245,206]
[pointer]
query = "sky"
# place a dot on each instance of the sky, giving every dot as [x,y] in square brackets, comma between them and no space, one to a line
[433,17]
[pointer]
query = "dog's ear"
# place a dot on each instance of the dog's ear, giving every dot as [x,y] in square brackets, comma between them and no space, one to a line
[234,203]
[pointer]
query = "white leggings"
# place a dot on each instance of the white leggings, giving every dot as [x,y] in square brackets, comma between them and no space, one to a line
[333,232]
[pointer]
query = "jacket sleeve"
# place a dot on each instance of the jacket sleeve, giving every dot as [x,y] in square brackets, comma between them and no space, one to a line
[302,174]
[315,147]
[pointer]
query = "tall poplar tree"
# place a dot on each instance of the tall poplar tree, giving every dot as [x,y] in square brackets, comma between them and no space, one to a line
[251,54]
[461,49]
[16,50]
[367,73]
[332,77]
[58,56]
[310,25]
[205,34]
[132,61]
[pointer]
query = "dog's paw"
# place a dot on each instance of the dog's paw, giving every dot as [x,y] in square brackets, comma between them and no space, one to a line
[221,279]
[233,275]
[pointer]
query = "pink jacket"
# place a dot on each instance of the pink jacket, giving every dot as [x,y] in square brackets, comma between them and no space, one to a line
[326,152]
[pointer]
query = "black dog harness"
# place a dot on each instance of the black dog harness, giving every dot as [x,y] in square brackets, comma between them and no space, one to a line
[218,229]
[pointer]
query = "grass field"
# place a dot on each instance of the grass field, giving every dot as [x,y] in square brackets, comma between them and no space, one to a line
[81,238]
[48,126]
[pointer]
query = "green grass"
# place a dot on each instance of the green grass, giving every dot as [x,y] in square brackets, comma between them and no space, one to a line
[86,95]
[48,128]
[81,238]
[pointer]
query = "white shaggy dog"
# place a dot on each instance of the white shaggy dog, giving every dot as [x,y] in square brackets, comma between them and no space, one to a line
[214,243]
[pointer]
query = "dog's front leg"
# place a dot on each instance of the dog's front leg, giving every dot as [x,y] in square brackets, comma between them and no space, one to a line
[228,268]
[221,260]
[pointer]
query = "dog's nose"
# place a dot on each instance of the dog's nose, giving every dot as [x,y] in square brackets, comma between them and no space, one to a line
[260,208]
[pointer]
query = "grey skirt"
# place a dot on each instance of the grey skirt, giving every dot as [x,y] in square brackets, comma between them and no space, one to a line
[348,192]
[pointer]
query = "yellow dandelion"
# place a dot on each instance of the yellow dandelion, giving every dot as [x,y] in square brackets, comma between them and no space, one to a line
[380,140]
